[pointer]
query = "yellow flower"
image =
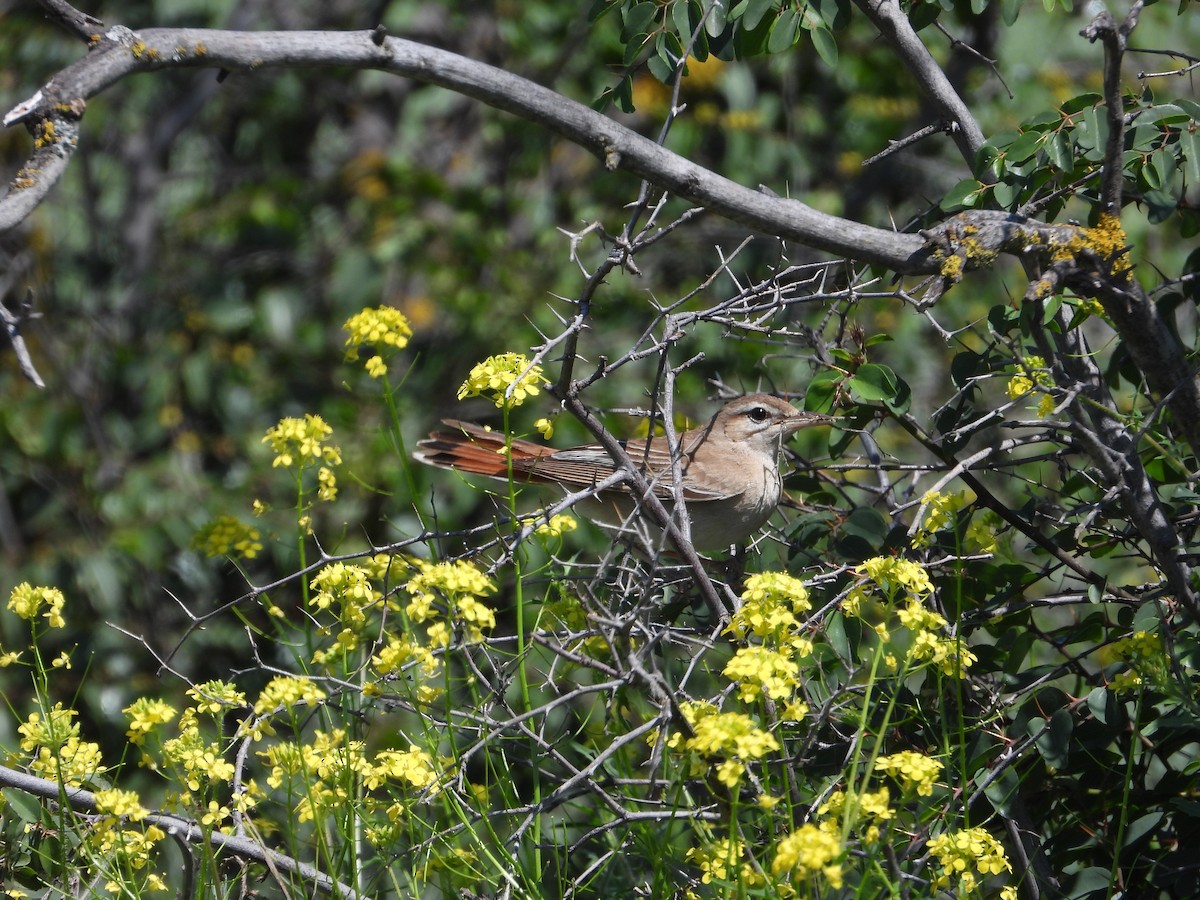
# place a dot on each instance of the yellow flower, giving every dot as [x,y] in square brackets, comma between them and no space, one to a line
[385,328]
[724,860]
[215,697]
[557,526]
[326,484]
[545,427]
[122,804]
[772,603]
[348,587]
[760,671]
[413,766]
[892,573]
[284,691]
[302,442]
[913,770]
[960,852]
[507,380]
[145,715]
[376,367]
[731,735]
[809,852]
[28,602]
[226,536]
[1034,375]
[940,509]
[1019,386]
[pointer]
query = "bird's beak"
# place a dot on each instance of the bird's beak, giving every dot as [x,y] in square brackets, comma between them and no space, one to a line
[808,419]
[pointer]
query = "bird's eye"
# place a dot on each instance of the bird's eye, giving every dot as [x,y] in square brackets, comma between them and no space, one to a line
[758,414]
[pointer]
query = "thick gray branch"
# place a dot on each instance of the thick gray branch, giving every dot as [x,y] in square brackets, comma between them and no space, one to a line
[893,24]
[123,53]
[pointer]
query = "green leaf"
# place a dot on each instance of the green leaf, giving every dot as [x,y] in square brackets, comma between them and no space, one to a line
[821,391]
[963,195]
[1091,882]
[826,45]
[834,13]
[636,20]
[1043,121]
[1005,194]
[1189,146]
[1105,706]
[1142,137]
[873,383]
[1080,103]
[1165,113]
[1162,163]
[1160,206]
[1054,743]
[1191,107]
[756,10]
[717,18]
[867,523]
[1141,827]
[660,68]
[1002,790]
[784,32]
[1025,147]
[1059,153]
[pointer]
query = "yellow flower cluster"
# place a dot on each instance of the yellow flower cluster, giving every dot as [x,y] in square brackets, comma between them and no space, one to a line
[1033,375]
[772,604]
[121,805]
[61,755]
[914,771]
[963,853]
[332,757]
[201,762]
[810,852]
[874,805]
[761,671]
[399,652]
[146,714]
[285,692]
[929,646]
[125,851]
[725,860]
[413,766]
[508,380]
[349,588]
[302,442]
[29,602]
[226,536]
[893,574]
[557,526]
[1143,652]
[732,735]
[461,584]
[382,327]
[940,508]
[215,697]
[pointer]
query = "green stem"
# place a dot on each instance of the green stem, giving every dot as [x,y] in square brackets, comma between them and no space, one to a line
[1123,820]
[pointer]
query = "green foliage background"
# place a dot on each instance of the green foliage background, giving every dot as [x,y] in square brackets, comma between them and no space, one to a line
[195,266]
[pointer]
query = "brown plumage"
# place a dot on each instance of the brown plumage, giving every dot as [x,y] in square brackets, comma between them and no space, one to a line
[728,468]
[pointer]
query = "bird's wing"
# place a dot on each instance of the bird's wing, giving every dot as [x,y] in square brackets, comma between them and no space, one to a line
[591,464]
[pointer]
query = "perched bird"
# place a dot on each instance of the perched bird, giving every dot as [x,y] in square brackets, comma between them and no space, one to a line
[728,469]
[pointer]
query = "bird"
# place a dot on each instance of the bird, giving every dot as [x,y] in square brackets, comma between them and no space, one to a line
[728,468]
